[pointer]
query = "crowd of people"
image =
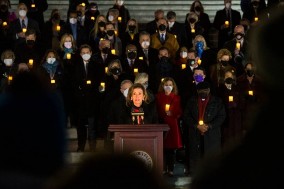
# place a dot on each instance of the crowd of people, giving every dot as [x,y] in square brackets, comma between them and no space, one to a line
[104,68]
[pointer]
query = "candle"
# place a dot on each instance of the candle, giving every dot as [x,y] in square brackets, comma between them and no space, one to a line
[103,86]
[238,46]
[115,32]
[52,81]
[140,57]
[92,18]
[119,18]
[112,51]
[106,69]
[162,79]
[89,82]
[10,78]
[250,93]
[226,23]
[256,19]
[31,62]
[167,107]
[192,30]
[135,70]
[200,122]
[24,30]
[33,5]
[199,61]
[68,56]
[4,24]
[83,4]
[183,66]
[175,36]
[231,98]
[58,28]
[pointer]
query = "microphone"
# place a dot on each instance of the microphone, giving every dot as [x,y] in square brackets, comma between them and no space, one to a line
[137,115]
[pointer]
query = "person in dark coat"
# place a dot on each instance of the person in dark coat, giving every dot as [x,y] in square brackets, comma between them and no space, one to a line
[137,102]
[36,10]
[232,17]
[20,25]
[85,91]
[203,115]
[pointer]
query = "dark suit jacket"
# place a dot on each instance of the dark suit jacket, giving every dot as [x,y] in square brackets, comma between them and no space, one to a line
[16,27]
[150,114]
[82,36]
[36,12]
[219,20]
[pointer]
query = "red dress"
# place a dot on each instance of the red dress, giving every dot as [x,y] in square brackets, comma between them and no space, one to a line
[173,139]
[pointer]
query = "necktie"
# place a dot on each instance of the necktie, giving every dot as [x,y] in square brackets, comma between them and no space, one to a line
[162,38]
[23,24]
[86,67]
[146,52]
[104,57]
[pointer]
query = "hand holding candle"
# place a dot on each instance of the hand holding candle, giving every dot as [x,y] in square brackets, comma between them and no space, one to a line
[167,107]
[227,23]
[238,45]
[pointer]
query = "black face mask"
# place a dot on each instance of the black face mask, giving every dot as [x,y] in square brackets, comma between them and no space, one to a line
[105,50]
[131,55]
[131,28]
[4,8]
[190,61]
[229,80]
[115,71]
[56,17]
[224,63]
[192,20]
[110,32]
[255,3]
[162,27]
[250,73]
[239,36]
[102,24]
[197,8]
[30,43]
[164,59]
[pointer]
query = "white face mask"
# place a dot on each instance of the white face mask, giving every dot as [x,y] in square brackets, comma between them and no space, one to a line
[125,92]
[110,18]
[22,13]
[183,54]
[145,44]
[171,24]
[168,88]
[50,60]
[8,62]
[68,45]
[72,20]
[228,5]
[86,57]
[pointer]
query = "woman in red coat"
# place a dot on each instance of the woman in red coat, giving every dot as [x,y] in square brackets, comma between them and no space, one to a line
[169,111]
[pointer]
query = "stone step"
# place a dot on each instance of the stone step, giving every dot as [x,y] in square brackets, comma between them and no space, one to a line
[143,11]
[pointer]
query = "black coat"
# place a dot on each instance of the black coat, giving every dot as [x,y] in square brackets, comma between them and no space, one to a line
[150,114]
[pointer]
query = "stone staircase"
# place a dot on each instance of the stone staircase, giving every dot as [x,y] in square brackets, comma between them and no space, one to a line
[143,11]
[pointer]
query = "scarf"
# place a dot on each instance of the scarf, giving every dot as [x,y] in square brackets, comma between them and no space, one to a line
[50,68]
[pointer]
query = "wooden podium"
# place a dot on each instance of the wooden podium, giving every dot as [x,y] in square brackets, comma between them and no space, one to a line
[143,141]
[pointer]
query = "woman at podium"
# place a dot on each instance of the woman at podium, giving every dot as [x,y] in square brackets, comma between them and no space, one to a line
[138,110]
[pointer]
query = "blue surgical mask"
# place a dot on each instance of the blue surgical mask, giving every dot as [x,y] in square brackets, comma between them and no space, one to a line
[198,78]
